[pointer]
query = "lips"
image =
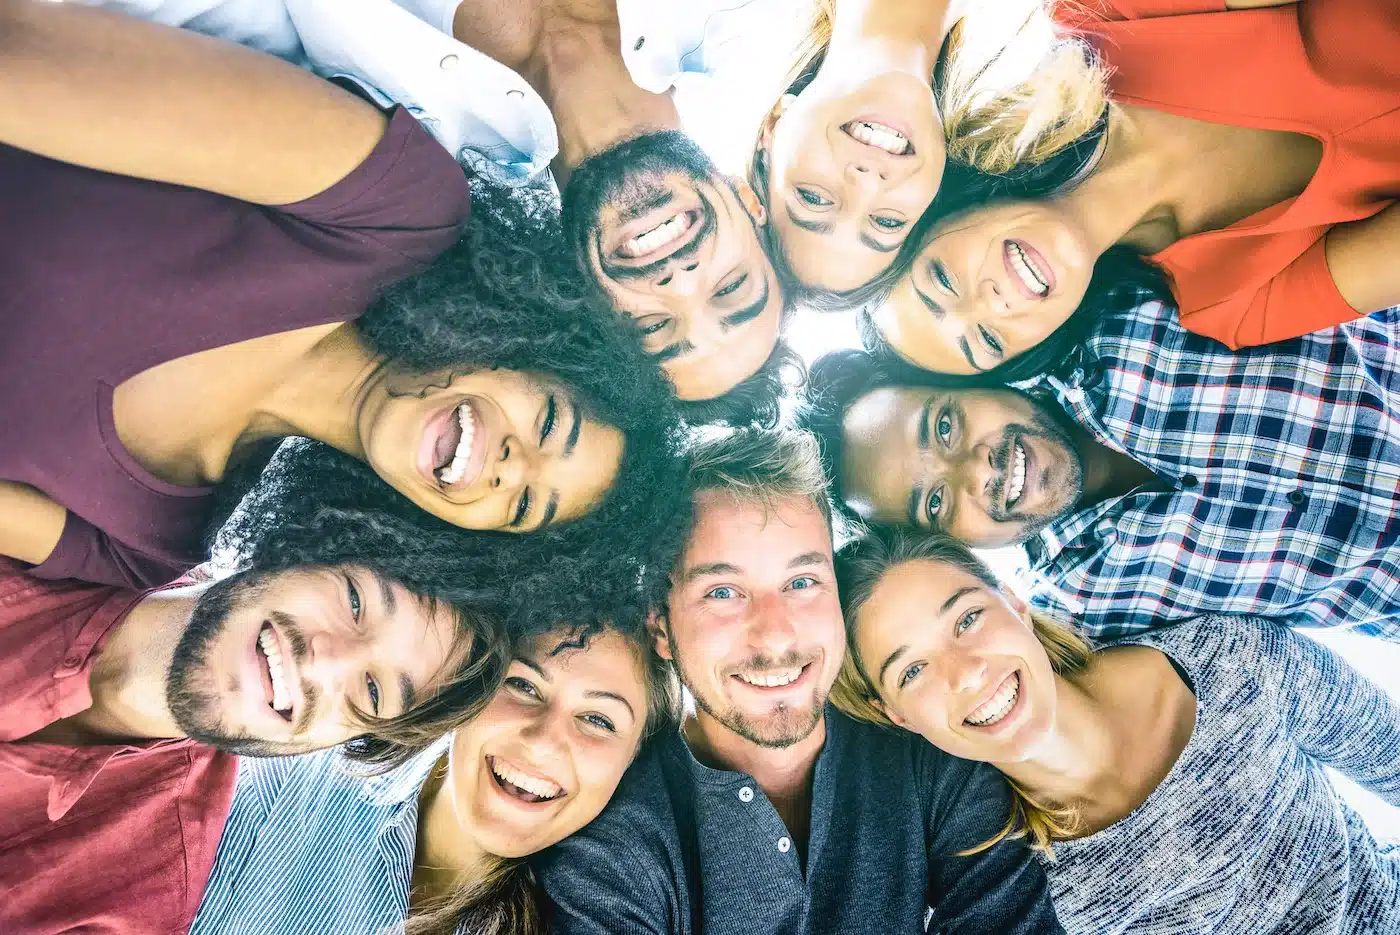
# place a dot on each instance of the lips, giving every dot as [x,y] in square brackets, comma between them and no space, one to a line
[1000,704]
[1030,272]
[453,448]
[660,239]
[883,133]
[278,671]
[526,787]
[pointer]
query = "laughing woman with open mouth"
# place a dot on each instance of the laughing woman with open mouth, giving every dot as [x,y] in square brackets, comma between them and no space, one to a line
[1173,780]
[888,102]
[436,845]
[199,255]
[1246,171]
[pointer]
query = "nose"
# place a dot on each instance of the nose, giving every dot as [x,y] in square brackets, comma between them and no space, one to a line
[969,472]
[336,657]
[964,671]
[679,277]
[993,299]
[545,735]
[516,465]
[864,175]
[771,628]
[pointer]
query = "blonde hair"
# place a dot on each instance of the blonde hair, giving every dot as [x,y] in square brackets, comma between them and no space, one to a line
[859,567]
[992,120]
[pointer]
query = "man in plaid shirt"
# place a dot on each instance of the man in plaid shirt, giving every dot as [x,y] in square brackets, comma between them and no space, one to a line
[1161,475]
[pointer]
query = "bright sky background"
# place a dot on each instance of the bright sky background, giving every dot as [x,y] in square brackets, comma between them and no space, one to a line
[722,113]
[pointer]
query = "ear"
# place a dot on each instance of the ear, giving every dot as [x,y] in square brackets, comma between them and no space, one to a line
[890,713]
[749,199]
[656,630]
[765,132]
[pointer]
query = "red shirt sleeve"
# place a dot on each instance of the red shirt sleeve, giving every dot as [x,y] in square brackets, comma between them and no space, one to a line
[86,553]
[1299,300]
[409,195]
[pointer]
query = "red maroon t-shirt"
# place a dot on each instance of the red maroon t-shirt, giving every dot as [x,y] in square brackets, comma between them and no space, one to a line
[117,838]
[104,276]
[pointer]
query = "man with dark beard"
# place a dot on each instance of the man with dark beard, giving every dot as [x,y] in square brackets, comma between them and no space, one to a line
[119,711]
[674,243]
[771,812]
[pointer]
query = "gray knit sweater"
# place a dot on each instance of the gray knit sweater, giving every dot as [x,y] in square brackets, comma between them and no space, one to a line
[1246,835]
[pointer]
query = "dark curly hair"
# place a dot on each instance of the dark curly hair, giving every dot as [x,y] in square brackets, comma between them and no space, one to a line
[506,296]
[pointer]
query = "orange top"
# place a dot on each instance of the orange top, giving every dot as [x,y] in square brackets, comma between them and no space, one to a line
[1326,68]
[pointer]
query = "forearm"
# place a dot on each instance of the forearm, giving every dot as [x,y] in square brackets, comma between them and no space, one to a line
[1361,258]
[30,523]
[120,95]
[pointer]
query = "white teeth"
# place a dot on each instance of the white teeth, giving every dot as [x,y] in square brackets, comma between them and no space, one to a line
[454,471]
[1016,483]
[999,705]
[1027,272]
[540,787]
[281,697]
[772,679]
[879,136]
[658,236]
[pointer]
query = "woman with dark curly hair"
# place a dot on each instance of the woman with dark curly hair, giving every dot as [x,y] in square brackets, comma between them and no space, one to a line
[1254,189]
[239,307]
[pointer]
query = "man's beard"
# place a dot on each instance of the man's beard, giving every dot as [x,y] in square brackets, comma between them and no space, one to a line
[1044,427]
[190,691]
[782,728]
[629,177]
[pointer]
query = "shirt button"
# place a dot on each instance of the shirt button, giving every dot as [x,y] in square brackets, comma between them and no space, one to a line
[72,662]
[1296,498]
[641,41]
[746,794]
[448,61]
[1188,481]
[515,93]
[784,845]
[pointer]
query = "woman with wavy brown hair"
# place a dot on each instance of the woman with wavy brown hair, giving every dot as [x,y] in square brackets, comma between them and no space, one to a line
[889,101]
[1173,780]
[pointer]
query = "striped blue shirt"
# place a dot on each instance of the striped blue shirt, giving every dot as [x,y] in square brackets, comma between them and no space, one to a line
[311,847]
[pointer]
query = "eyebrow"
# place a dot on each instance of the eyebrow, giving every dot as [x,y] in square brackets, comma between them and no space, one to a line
[808,558]
[713,568]
[957,596]
[615,697]
[932,306]
[671,351]
[532,664]
[407,695]
[916,496]
[745,315]
[816,227]
[967,352]
[572,441]
[550,510]
[387,600]
[875,245]
[889,660]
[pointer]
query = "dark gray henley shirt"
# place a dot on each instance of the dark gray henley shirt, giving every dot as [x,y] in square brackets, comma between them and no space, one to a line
[684,849]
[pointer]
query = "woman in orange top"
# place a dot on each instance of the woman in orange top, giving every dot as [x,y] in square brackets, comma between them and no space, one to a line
[1252,154]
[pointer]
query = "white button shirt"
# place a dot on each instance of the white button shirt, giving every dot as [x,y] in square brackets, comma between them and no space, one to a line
[403,52]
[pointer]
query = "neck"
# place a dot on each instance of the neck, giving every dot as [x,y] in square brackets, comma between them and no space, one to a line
[128,679]
[577,68]
[874,37]
[784,773]
[321,397]
[1107,472]
[447,857]
[1078,764]
[1128,189]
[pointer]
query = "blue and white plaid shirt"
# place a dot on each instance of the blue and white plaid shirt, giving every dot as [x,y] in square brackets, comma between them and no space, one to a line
[1278,479]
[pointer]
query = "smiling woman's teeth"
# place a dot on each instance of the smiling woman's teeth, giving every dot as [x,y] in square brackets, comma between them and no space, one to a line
[999,705]
[657,237]
[771,679]
[1026,271]
[879,136]
[463,456]
[540,788]
[281,697]
[1016,483]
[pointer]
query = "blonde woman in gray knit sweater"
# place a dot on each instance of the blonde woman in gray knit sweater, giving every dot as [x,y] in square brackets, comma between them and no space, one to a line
[1173,781]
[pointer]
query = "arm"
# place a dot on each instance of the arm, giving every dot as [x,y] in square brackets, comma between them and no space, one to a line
[120,95]
[1334,714]
[998,891]
[30,523]
[1361,258]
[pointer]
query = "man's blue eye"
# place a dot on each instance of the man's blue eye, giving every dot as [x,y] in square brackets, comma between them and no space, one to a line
[803,583]
[721,593]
